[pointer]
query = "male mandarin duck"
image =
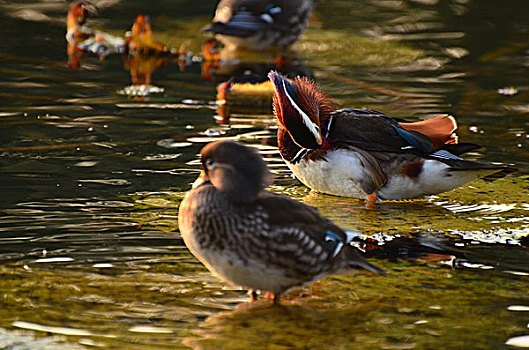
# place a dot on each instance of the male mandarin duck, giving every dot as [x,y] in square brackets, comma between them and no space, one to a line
[81,39]
[75,21]
[260,24]
[76,33]
[256,239]
[141,38]
[366,154]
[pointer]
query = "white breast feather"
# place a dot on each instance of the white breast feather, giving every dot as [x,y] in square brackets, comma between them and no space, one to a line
[338,175]
[342,171]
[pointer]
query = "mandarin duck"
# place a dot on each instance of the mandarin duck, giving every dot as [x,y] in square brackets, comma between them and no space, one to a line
[81,39]
[141,39]
[366,154]
[258,24]
[75,20]
[257,239]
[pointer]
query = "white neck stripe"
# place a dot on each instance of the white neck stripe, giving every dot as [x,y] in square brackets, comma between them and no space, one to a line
[304,117]
[301,153]
[328,128]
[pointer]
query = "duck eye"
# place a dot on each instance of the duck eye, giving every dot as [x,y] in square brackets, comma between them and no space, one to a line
[208,163]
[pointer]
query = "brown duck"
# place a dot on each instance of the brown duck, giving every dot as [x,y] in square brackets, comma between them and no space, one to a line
[256,239]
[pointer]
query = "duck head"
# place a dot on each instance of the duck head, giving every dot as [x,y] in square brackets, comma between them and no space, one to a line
[77,15]
[235,169]
[299,108]
[140,33]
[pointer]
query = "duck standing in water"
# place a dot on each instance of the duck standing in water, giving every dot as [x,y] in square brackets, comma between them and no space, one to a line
[258,24]
[366,154]
[256,239]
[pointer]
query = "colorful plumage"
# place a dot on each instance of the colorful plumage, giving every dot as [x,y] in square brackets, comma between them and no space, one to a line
[141,38]
[82,39]
[366,154]
[257,239]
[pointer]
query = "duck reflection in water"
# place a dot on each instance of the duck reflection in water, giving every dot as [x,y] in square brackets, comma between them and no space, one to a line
[244,89]
[141,52]
[145,55]
[292,326]
[256,239]
[223,63]
[256,35]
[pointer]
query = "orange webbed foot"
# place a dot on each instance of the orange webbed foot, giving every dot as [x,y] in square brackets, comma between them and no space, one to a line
[274,297]
[371,201]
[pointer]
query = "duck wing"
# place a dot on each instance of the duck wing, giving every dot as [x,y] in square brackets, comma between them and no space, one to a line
[375,132]
[304,241]
[381,137]
[244,18]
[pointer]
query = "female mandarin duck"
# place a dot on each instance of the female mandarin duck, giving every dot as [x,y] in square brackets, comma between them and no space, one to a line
[366,154]
[257,239]
[260,24]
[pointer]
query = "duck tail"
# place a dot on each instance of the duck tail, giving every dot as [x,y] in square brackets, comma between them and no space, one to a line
[450,156]
[357,262]
[491,171]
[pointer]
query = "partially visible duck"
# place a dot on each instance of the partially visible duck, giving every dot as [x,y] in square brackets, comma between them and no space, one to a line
[141,38]
[256,239]
[76,33]
[260,24]
[82,39]
[366,154]
[75,20]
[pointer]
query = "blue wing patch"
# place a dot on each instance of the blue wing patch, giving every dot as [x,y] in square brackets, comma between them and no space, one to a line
[415,139]
[333,243]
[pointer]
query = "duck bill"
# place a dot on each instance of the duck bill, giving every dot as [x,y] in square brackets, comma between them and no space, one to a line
[202,178]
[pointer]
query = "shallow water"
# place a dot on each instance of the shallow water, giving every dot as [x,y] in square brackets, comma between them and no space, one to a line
[90,253]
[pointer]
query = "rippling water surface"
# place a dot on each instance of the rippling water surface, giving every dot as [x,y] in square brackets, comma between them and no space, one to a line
[90,253]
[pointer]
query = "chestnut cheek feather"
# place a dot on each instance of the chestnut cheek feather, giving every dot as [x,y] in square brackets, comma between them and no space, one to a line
[278,108]
[289,116]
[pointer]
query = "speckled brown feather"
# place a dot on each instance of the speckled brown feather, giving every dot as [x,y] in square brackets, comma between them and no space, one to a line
[284,233]
[281,28]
